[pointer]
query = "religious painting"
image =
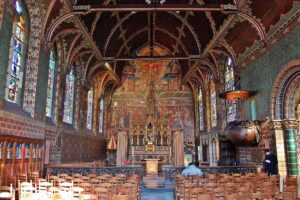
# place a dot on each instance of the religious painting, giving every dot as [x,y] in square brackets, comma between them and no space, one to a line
[9,150]
[187,159]
[40,151]
[27,150]
[1,148]
[152,86]
[33,155]
[19,151]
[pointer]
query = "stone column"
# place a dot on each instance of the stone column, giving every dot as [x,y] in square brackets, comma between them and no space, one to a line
[276,127]
[290,131]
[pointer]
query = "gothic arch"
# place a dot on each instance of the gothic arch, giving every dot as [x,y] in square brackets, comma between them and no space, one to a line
[284,89]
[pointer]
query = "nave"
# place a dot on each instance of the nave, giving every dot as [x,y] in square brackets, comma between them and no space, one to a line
[122,96]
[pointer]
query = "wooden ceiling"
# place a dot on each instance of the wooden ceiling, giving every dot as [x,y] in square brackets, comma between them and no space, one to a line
[195,29]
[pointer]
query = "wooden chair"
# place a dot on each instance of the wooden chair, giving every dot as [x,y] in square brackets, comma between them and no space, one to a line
[77,182]
[107,186]
[88,188]
[62,175]
[22,177]
[26,190]
[85,179]
[206,197]
[34,176]
[77,175]
[52,178]
[102,193]
[219,192]
[77,191]
[230,187]
[88,197]
[120,197]
[195,192]
[68,178]
[7,192]
[92,176]
[210,186]
[233,197]
[289,196]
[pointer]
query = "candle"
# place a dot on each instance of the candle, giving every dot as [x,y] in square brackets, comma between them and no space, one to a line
[11,188]
[170,151]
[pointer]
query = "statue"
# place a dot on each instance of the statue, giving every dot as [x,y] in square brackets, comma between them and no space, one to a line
[150,137]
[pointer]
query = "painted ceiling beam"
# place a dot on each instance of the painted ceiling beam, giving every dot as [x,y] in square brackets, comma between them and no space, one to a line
[149,58]
[146,8]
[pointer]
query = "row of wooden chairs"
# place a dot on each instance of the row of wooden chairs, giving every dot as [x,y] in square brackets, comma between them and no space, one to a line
[249,186]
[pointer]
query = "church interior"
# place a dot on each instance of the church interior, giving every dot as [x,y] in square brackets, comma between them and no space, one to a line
[118,99]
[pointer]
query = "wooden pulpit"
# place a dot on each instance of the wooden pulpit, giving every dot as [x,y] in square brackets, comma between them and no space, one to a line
[152,166]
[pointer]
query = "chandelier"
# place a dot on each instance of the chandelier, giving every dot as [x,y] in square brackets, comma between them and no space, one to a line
[155,1]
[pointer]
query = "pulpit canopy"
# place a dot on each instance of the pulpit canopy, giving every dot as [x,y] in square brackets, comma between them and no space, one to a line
[112,145]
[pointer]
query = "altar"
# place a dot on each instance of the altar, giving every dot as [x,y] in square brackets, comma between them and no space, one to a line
[151,166]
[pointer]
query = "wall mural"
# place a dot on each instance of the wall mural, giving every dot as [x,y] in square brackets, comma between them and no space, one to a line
[173,101]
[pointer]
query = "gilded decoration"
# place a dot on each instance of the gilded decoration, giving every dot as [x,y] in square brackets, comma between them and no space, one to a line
[290,124]
[276,125]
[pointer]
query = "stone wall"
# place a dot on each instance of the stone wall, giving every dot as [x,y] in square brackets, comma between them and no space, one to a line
[66,147]
[261,73]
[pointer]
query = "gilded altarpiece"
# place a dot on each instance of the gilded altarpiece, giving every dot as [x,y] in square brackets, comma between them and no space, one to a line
[150,105]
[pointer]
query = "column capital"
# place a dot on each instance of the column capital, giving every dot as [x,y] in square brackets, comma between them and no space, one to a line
[276,125]
[290,124]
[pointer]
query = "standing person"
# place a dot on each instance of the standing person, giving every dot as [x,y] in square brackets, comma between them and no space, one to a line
[270,163]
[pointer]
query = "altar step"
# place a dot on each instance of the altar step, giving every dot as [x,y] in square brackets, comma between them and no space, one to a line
[156,182]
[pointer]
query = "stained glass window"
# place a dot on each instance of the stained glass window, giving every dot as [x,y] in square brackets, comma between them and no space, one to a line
[229,85]
[213,100]
[89,109]
[101,115]
[69,97]
[201,118]
[50,85]
[15,71]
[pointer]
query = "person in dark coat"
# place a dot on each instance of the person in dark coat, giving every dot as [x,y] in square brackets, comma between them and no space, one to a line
[270,163]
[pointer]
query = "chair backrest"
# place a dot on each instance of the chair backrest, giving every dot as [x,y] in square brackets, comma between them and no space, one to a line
[77,191]
[88,197]
[206,197]
[102,193]
[120,197]
[22,177]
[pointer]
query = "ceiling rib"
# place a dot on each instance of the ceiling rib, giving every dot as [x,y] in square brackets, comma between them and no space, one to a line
[215,39]
[145,8]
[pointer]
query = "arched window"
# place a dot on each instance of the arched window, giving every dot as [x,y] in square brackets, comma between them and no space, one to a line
[101,115]
[201,116]
[89,119]
[50,86]
[69,97]
[229,85]
[17,55]
[213,100]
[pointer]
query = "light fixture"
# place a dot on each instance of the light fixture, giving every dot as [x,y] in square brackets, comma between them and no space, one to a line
[155,1]
[107,65]
[237,94]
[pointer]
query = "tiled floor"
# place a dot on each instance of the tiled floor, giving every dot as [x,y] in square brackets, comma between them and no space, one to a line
[157,194]
[157,188]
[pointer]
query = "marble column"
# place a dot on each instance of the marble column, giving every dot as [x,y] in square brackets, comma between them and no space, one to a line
[276,129]
[290,131]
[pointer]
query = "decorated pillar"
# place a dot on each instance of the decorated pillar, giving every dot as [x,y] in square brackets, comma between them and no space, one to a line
[290,131]
[276,129]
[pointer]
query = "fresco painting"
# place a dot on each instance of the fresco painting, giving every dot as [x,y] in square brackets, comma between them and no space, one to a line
[172,100]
